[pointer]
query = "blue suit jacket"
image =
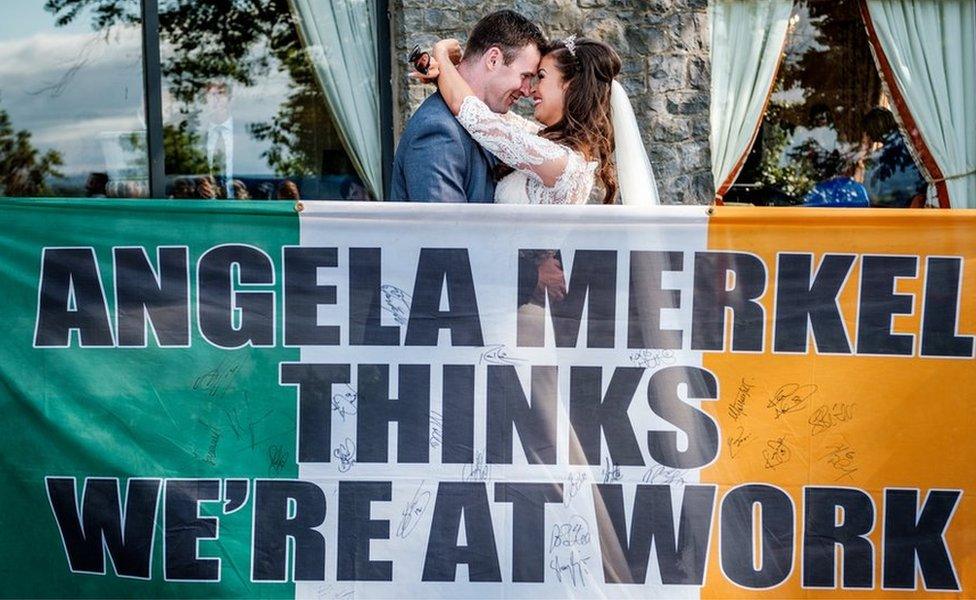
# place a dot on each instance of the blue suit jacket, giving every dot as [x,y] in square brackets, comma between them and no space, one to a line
[438,161]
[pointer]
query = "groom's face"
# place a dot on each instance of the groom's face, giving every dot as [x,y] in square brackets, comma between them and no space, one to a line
[510,82]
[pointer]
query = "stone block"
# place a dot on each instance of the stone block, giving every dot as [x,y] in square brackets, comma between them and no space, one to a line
[441,20]
[687,103]
[667,72]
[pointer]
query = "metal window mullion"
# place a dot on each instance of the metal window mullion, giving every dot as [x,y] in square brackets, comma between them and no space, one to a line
[153,95]
[384,73]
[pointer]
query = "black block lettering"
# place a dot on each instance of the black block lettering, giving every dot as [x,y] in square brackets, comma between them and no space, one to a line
[71,297]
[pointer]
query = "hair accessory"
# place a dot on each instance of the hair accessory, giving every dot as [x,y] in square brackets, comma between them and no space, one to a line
[570,43]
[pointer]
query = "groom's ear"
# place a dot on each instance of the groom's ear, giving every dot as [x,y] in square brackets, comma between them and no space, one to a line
[493,58]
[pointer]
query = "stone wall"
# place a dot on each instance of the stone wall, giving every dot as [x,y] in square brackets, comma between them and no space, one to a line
[664,46]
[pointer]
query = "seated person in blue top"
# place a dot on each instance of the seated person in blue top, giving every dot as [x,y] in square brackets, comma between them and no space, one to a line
[891,176]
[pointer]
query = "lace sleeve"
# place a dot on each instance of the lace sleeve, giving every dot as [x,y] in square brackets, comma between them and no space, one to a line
[545,161]
[520,121]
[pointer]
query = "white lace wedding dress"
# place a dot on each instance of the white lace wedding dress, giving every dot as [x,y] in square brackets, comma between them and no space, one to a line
[515,141]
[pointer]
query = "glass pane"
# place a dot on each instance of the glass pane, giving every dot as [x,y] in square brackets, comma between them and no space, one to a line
[829,136]
[71,112]
[244,116]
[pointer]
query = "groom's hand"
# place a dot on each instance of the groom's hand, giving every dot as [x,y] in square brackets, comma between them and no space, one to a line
[550,278]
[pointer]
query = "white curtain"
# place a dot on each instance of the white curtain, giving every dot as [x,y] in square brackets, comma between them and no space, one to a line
[931,48]
[747,45]
[340,37]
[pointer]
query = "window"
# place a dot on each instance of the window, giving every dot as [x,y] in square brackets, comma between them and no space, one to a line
[829,136]
[244,114]
[71,110]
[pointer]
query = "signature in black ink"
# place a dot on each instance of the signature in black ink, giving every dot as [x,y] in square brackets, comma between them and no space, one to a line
[211,456]
[478,471]
[412,512]
[826,416]
[241,421]
[738,406]
[574,485]
[791,397]
[737,440]
[497,354]
[346,454]
[610,471]
[659,474]
[276,459]
[574,568]
[396,302]
[436,429]
[217,381]
[652,359]
[777,453]
[571,534]
[344,403]
[843,458]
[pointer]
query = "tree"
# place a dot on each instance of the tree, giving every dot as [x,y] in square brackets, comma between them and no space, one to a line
[24,171]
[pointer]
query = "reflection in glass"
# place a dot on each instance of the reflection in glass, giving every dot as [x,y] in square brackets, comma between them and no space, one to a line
[243,114]
[828,138]
[71,111]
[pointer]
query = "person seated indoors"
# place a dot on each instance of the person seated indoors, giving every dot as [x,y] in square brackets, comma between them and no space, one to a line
[287,190]
[891,176]
[840,189]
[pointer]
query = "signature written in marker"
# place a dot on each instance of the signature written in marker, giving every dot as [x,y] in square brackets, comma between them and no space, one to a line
[575,484]
[396,302]
[436,428]
[790,398]
[479,471]
[497,354]
[659,474]
[346,455]
[738,406]
[276,459]
[825,417]
[412,512]
[737,440]
[571,534]
[218,381]
[344,403]
[572,567]
[652,359]
[611,472]
[842,457]
[777,453]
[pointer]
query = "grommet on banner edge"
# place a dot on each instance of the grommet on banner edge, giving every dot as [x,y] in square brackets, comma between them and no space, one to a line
[299,207]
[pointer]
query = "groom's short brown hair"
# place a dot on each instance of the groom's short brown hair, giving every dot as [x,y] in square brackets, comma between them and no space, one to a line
[508,31]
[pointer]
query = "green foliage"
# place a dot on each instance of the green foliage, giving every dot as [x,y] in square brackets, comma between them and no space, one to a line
[183,151]
[796,177]
[24,171]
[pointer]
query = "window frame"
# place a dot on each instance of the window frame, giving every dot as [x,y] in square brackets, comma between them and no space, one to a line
[153,92]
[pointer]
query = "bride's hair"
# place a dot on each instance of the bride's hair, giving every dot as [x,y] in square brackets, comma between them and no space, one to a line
[586,125]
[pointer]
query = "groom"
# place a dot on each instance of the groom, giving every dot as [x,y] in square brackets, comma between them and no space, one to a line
[436,160]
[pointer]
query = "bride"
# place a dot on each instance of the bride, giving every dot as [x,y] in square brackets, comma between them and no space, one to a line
[586,128]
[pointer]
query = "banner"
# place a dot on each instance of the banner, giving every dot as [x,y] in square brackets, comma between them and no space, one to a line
[343,400]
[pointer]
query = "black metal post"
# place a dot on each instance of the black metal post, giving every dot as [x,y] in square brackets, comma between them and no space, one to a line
[384,73]
[153,94]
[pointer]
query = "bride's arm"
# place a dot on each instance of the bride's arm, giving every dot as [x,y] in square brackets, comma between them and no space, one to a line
[507,139]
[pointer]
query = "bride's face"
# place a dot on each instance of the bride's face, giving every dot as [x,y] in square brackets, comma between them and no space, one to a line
[549,93]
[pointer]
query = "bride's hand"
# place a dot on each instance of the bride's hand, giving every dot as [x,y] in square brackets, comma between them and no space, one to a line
[433,70]
[447,50]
